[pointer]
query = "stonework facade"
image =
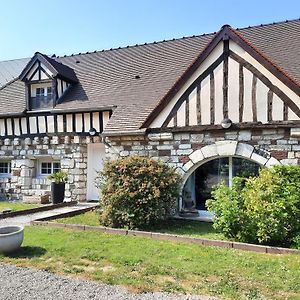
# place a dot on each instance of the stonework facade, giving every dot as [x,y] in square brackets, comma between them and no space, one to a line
[186,151]
[25,155]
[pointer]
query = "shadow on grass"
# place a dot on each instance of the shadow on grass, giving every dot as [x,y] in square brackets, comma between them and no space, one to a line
[27,252]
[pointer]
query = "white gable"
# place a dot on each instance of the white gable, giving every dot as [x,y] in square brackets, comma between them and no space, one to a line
[254,93]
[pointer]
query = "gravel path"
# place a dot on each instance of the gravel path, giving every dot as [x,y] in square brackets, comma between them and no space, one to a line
[28,284]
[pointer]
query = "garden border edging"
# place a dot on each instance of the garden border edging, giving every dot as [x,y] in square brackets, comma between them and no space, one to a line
[36,209]
[172,237]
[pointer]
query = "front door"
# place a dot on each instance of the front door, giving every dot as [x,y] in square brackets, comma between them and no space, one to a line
[96,154]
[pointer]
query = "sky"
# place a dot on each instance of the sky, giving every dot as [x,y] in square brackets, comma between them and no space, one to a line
[63,27]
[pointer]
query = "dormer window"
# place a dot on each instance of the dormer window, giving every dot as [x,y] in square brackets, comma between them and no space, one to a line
[41,96]
[46,81]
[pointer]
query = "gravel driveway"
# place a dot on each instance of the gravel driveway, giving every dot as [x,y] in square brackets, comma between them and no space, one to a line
[28,284]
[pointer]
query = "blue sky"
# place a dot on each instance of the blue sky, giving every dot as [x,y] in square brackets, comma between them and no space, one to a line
[72,26]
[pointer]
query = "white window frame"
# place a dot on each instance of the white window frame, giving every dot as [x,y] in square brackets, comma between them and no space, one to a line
[52,162]
[8,174]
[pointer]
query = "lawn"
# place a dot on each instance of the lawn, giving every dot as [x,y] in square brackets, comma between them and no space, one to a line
[16,206]
[180,227]
[144,264]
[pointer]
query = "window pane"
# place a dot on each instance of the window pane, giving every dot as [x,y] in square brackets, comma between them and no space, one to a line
[56,167]
[244,168]
[4,167]
[46,168]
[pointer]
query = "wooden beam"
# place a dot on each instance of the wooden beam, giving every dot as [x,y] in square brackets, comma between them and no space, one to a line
[198,103]
[253,98]
[187,112]
[270,105]
[212,98]
[241,92]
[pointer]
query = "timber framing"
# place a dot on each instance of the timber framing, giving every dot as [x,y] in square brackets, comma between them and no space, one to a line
[226,33]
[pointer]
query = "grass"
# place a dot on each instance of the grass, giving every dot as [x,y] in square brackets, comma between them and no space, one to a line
[16,206]
[180,227]
[143,264]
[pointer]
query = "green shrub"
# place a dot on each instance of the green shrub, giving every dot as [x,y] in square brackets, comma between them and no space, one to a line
[263,209]
[137,192]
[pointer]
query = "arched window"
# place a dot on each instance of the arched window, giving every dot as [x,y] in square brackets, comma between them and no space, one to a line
[199,185]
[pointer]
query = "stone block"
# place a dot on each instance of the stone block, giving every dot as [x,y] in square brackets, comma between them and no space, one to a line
[295,132]
[289,161]
[272,162]
[209,151]
[184,146]
[244,150]
[259,159]
[244,135]
[67,163]
[184,151]
[196,156]
[188,165]
[226,148]
[197,138]
[164,147]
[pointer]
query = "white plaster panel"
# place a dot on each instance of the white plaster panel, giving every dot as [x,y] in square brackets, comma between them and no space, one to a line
[218,74]
[248,112]
[87,123]
[33,69]
[17,126]
[78,122]
[277,108]
[205,101]
[32,125]
[9,127]
[226,148]
[171,123]
[244,150]
[2,128]
[105,118]
[233,90]
[24,126]
[292,115]
[69,119]
[50,122]
[209,151]
[193,108]
[96,123]
[42,124]
[205,64]
[262,102]
[181,115]
[60,123]
[196,156]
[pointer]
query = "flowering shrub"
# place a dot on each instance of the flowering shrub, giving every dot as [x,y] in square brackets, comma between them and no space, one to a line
[137,191]
[263,209]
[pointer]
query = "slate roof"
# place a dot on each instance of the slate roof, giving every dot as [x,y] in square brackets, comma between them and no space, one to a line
[134,79]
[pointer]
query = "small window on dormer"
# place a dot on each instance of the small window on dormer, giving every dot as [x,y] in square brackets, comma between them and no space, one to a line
[41,96]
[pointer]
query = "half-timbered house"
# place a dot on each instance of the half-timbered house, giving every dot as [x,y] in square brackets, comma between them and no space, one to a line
[214,106]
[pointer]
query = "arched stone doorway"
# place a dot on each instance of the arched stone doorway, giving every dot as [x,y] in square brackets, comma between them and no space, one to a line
[215,163]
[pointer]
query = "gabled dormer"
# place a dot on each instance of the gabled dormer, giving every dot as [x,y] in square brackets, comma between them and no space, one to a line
[46,81]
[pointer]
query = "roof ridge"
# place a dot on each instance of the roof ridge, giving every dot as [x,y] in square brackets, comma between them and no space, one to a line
[268,24]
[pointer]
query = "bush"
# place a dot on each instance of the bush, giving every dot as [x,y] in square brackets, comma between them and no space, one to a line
[137,192]
[263,209]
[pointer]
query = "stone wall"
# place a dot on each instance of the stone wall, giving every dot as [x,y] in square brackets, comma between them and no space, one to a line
[24,155]
[184,150]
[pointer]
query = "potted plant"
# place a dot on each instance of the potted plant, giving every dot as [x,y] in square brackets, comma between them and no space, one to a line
[59,180]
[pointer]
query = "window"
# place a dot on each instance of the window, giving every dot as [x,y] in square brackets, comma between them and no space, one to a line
[41,96]
[5,167]
[48,168]
[202,181]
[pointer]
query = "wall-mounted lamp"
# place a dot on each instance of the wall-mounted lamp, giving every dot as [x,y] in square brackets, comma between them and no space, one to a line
[226,123]
[92,131]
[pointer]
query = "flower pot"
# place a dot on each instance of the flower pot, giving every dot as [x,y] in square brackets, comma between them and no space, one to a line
[57,192]
[11,238]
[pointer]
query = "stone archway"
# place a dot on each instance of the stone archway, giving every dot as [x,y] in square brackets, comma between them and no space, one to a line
[226,148]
